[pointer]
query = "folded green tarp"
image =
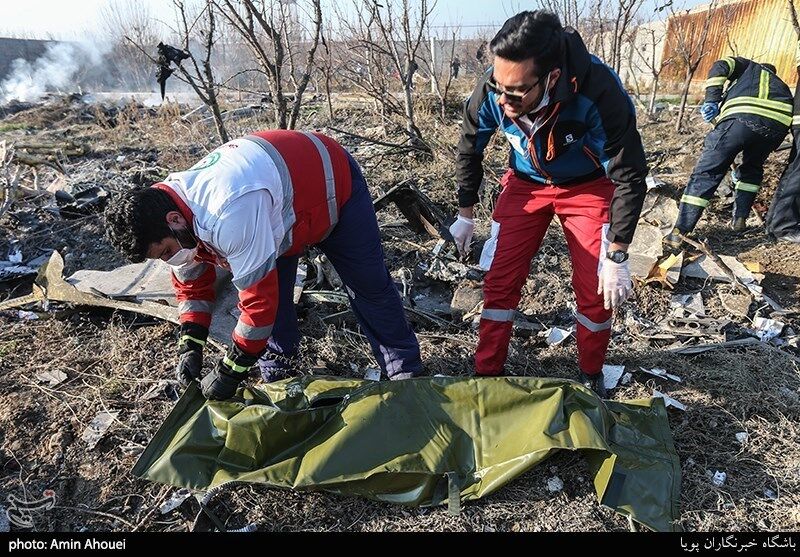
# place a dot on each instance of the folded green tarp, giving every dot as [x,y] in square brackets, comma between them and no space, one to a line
[423,441]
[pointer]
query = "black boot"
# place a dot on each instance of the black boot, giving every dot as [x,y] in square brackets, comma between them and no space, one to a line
[595,382]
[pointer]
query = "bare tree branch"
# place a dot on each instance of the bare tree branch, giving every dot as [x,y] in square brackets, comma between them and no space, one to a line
[793,13]
[691,49]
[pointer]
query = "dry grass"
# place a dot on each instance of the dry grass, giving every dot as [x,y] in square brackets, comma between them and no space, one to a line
[112,361]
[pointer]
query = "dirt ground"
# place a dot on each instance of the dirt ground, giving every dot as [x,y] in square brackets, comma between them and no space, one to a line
[124,363]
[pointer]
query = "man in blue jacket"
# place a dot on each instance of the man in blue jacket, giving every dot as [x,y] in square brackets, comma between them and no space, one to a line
[575,153]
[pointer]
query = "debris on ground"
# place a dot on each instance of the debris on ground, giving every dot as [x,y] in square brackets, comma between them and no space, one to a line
[767,329]
[669,401]
[98,427]
[554,484]
[51,376]
[718,478]
[175,500]
[557,335]
[659,372]
[612,375]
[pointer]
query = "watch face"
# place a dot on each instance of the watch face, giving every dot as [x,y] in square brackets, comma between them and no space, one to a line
[618,256]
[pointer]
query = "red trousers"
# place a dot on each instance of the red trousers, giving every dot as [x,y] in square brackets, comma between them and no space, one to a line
[524,211]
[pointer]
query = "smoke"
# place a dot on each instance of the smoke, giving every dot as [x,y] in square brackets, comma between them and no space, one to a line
[57,70]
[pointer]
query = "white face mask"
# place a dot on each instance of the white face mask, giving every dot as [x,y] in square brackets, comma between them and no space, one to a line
[182,257]
[545,98]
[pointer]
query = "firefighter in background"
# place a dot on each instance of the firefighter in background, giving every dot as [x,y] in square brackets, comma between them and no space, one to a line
[252,206]
[752,118]
[783,219]
[575,153]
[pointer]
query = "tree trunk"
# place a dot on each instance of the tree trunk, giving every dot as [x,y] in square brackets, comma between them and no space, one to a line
[408,104]
[219,124]
[684,96]
[651,107]
[213,104]
[328,92]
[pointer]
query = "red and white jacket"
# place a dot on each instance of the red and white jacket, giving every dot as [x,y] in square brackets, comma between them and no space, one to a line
[249,202]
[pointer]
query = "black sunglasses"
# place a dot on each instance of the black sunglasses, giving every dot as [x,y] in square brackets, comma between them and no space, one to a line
[515,98]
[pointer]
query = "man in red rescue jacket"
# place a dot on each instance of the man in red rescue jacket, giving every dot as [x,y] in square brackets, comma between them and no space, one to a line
[252,206]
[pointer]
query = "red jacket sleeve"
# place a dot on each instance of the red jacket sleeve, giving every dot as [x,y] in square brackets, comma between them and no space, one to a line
[194,289]
[258,303]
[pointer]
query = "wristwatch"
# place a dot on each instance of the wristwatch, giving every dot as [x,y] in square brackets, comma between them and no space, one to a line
[617,256]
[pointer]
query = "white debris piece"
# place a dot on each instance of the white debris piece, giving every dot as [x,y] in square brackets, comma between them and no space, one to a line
[718,479]
[140,281]
[556,335]
[131,449]
[668,400]
[659,372]
[98,427]
[175,501]
[653,182]
[299,281]
[27,315]
[160,389]
[769,494]
[767,329]
[554,484]
[626,378]
[704,267]
[645,250]
[9,271]
[372,374]
[612,375]
[15,256]
[693,303]
[51,376]
[741,437]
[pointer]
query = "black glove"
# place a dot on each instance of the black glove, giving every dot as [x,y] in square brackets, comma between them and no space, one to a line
[222,382]
[190,349]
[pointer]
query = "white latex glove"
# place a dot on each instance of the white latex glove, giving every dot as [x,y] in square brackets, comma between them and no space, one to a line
[462,230]
[614,283]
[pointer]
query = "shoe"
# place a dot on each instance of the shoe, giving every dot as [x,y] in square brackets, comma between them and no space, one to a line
[793,237]
[594,382]
[739,224]
[672,242]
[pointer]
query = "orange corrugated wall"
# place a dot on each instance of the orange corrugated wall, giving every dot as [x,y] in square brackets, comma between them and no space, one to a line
[760,30]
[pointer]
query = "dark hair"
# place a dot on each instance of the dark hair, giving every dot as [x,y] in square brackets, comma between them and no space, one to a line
[770,67]
[535,34]
[137,219]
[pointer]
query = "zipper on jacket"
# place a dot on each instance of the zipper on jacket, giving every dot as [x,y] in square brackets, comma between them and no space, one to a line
[534,158]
